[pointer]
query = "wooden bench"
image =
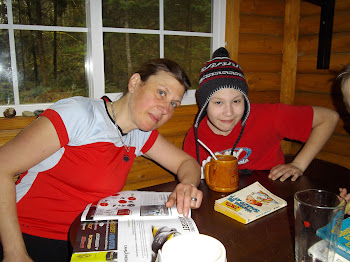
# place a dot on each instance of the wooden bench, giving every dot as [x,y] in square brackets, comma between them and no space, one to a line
[144,172]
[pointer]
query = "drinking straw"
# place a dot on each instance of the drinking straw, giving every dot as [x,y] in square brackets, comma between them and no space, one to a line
[212,154]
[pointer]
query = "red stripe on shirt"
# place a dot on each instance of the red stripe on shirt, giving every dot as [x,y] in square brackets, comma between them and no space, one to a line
[57,121]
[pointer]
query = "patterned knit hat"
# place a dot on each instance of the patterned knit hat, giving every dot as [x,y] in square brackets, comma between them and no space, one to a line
[218,73]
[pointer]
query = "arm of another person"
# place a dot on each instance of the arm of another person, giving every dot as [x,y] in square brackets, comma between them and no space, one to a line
[323,124]
[344,193]
[187,170]
[34,144]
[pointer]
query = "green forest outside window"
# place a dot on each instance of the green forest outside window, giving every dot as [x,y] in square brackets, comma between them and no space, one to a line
[53,49]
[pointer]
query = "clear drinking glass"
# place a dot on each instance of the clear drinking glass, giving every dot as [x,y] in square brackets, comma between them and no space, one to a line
[318,219]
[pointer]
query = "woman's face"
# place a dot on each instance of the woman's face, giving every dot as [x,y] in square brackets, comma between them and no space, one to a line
[153,102]
[225,110]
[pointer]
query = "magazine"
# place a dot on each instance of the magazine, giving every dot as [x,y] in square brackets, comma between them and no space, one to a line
[128,232]
[249,203]
[126,204]
[343,247]
[127,240]
[319,251]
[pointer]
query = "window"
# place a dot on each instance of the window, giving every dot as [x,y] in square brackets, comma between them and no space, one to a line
[52,49]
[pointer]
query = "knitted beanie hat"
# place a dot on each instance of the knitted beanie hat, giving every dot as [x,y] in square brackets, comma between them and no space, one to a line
[218,73]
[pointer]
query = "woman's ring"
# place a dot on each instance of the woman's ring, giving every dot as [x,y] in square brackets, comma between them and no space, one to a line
[193,199]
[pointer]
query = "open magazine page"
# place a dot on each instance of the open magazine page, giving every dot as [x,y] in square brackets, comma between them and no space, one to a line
[96,241]
[319,251]
[127,240]
[126,204]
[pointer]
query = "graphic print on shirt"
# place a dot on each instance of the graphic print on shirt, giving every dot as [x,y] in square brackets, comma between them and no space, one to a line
[243,157]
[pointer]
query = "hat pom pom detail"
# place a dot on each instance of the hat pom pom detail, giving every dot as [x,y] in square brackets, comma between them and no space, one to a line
[220,52]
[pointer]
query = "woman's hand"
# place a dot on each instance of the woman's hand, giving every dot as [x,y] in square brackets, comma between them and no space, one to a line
[185,196]
[284,171]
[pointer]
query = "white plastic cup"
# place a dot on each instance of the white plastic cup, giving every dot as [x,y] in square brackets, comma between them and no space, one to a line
[192,247]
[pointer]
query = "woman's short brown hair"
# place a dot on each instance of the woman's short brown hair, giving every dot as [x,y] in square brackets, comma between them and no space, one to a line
[153,66]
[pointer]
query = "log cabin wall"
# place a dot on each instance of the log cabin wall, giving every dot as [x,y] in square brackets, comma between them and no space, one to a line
[278,39]
[260,44]
[318,87]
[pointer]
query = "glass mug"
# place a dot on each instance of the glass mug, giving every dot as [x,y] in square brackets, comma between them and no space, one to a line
[222,175]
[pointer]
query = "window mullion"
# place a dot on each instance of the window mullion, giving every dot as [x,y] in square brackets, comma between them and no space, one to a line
[12,53]
[218,24]
[161,28]
[94,64]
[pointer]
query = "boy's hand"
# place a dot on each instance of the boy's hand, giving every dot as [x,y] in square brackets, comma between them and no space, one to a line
[185,196]
[284,171]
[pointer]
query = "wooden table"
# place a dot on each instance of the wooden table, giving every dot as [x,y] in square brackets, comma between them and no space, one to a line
[270,238]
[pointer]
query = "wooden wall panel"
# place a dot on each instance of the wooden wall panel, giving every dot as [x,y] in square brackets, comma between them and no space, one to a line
[314,99]
[340,43]
[311,24]
[260,48]
[341,20]
[264,97]
[257,24]
[325,100]
[260,63]
[263,44]
[317,87]
[308,44]
[320,83]
[342,5]
[338,144]
[232,28]
[336,151]
[307,9]
[265,7]
[307,63]
[290,49]
[258,81]
[260,52]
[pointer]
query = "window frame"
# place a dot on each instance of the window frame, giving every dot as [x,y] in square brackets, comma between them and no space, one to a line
[94,62]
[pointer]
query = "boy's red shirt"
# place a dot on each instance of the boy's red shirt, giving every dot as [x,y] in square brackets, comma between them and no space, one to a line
[266,127]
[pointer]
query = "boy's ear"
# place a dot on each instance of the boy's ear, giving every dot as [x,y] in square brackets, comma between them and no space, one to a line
[134,82]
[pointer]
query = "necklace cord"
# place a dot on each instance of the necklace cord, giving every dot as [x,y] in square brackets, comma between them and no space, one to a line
[127,148]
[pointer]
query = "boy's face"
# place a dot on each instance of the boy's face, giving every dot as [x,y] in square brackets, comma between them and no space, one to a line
[225,110]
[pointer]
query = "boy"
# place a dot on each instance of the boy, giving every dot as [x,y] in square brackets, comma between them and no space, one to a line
[228,124]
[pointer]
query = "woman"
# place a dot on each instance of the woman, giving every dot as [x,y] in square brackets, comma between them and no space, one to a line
[81,150]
